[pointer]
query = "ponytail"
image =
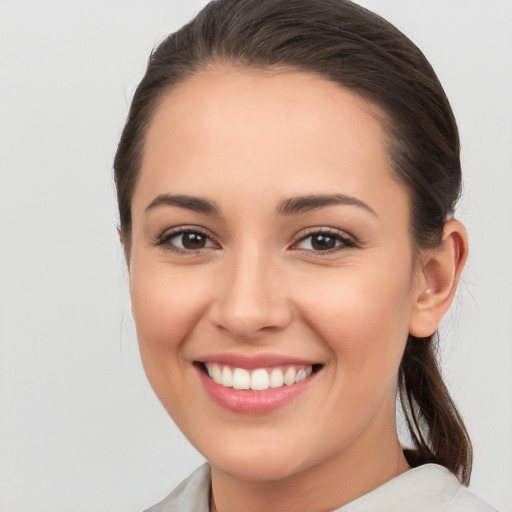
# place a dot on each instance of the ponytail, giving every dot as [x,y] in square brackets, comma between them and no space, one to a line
[435,424]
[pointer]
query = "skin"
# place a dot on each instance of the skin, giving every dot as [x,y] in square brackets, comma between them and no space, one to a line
[247,140]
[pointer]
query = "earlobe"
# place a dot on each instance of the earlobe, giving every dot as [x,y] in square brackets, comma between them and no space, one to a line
[438,279]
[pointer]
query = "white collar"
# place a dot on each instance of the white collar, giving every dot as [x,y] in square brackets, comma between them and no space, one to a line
[427,488]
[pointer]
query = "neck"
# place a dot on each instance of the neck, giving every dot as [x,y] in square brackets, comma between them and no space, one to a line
[369,462]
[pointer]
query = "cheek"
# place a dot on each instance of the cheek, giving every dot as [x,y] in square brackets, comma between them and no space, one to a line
[364,319]
[166,306]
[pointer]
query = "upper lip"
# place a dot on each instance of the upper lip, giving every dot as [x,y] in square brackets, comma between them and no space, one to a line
[254,361]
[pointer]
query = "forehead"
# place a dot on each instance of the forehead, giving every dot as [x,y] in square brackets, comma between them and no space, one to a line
[284,132]
[224,96]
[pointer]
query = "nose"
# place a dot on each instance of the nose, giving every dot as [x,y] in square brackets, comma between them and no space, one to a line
[251,299]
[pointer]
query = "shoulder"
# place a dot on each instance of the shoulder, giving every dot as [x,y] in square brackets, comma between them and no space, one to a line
[427,488]
[191,495]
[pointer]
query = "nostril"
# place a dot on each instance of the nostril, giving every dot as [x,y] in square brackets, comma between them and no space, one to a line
[247,308]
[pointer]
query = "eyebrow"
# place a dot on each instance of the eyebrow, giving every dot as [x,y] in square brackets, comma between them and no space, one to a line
[196,204]
[290,206]
[312,202]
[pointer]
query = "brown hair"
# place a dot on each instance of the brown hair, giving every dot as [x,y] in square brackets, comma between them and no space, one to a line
[360,51]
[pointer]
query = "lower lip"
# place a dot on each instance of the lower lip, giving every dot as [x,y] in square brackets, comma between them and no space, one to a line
[253,402]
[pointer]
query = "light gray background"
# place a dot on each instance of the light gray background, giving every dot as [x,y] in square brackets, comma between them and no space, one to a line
[80,429]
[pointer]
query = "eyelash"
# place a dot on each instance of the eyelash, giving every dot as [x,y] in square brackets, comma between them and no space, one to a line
[165,239]
[343,241]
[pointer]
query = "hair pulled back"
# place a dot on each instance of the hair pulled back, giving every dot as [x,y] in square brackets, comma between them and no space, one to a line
[360,51]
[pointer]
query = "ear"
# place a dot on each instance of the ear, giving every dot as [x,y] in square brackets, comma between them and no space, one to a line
[437,279]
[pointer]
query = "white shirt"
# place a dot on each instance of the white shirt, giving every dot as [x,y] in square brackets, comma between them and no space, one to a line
[427,488]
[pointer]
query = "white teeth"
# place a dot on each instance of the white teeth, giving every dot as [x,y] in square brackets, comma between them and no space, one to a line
[289,376]
[215,373]
[301,375]
[227,377]
[241,379]
[258,379]
[276,378]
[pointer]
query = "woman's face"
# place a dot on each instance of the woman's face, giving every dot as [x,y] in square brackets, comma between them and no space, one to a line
[271,244]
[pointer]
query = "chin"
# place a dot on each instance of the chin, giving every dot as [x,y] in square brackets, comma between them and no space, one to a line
[256,468]
[257,461]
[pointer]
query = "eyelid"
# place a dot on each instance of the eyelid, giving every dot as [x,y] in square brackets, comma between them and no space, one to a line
[163,239]
[347,241]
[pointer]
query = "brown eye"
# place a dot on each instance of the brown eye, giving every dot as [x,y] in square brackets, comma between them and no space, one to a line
[186,240]
[323,241]
[193,240]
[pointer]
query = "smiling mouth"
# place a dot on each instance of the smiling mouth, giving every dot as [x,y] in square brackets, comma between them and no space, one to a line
[257,379]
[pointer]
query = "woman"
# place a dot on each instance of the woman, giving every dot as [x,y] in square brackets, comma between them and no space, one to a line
[286,179]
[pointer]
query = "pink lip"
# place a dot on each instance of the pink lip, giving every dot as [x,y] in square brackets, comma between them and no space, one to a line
[252,362]
[253,402]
